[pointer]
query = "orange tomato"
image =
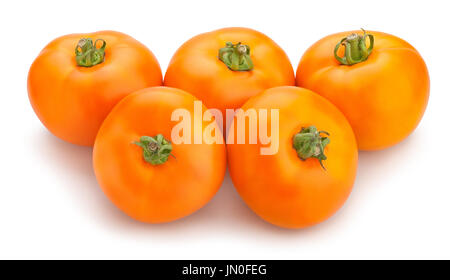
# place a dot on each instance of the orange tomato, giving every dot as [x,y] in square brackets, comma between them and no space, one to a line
[142,172]
[290,188]
[77,79]
[224,68]
[382,91]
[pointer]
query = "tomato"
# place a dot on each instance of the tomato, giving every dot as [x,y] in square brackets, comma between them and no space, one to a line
[379,81]
[224,68]
[311,175]
[139,168]
[77,79]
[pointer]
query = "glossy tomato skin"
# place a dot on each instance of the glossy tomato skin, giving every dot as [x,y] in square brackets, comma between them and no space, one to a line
[155,193]
[72,101]
[281,188]
[384,97]
[196,68]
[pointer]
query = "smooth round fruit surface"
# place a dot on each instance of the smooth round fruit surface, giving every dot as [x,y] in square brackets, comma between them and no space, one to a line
[196,68]
[72,100]
[283,188]
[383,97]
[173,188]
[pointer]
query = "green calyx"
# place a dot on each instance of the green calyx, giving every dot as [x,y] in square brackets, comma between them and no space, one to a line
[356,50]
[309,143]
[236,57]
[87,54]
[156,150]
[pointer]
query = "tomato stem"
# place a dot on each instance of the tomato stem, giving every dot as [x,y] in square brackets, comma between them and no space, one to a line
[155,150]
[309,143]
[356,50]
[87,54]
[236,57]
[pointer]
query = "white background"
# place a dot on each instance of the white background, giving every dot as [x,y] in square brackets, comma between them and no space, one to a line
[52,207]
